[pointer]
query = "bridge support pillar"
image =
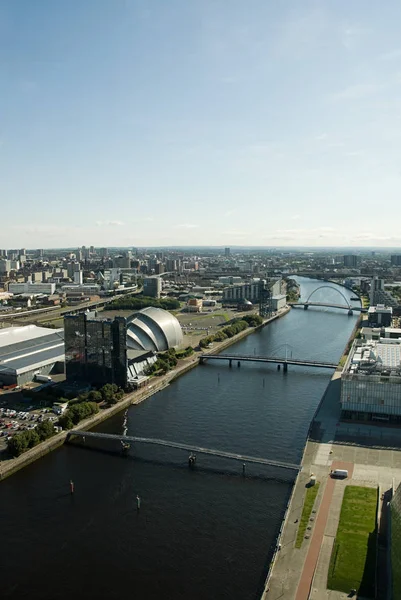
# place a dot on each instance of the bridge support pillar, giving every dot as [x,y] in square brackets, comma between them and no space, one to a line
[201,360]
[238,364]
[230,363]
[285,367]
[350,312]
[306,307]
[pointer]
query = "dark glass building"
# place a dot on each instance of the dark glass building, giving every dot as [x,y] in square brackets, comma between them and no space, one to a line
[96,349]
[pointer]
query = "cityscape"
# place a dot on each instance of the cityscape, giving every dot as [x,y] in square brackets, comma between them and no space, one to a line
[200,300]
[90,334]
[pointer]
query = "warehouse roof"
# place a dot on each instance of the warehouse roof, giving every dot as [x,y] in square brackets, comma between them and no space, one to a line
[26,348]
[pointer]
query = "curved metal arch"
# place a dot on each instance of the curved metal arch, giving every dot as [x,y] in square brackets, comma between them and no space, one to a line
[329,287]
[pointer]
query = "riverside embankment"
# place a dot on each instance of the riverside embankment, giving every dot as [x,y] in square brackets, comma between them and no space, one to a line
[286,569]
[12,465]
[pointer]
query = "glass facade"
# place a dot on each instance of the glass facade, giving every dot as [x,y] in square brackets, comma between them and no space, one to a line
[371,394]
[96,350]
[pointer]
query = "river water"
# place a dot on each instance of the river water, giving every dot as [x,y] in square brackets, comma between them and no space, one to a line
[201,534]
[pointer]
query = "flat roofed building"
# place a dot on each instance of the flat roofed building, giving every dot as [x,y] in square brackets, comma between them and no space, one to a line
[380,315]
[32,288]
[26,351]
[371,381]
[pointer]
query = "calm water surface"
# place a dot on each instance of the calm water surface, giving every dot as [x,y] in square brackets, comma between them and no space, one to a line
[200,534]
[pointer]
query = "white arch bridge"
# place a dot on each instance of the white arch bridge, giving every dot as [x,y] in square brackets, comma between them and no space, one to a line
[188,447]
[345,306]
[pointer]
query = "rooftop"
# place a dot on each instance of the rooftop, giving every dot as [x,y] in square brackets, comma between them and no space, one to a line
[380,357]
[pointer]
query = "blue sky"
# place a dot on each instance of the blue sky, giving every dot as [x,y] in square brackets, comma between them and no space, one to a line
[154,122]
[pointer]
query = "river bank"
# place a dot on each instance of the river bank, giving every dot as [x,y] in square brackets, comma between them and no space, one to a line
[13,465]
[286,567]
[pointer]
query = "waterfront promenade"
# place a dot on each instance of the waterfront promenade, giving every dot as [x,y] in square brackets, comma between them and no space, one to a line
[301,574]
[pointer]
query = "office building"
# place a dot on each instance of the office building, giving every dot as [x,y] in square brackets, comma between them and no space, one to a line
[371,381]
[227,252]
[152,286]
[32,288]
[380,316]
[96,349]
[29,350]
[396,260]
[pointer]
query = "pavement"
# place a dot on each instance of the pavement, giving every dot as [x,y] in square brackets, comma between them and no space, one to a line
[301,574]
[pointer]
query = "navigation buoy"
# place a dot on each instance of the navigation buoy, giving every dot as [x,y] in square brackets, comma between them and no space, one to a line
[138,502]
[71,486]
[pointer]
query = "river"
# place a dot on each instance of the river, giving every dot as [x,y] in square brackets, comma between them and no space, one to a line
[201,534]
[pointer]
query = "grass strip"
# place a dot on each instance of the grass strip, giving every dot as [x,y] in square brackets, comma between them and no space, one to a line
[310,498]
[353,559]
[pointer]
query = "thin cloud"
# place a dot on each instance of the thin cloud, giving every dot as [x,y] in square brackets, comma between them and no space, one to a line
[356,91]
[391,55]
[109,223]
[187,226]
[351,35]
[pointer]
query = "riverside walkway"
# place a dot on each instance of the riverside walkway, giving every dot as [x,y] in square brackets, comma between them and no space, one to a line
[187,447]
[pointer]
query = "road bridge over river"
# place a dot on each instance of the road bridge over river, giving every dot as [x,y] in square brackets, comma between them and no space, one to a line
[180,446]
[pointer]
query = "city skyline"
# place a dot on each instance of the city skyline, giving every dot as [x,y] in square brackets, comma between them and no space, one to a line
[148,124]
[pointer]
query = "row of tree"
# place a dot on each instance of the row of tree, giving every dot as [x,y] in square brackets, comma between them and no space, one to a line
[236,326]
[76,413]
[23,441]
[138,302]
[109,393]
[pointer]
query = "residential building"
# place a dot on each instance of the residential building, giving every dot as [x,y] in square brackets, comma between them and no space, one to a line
[152,286]
[351,260]
[250,291]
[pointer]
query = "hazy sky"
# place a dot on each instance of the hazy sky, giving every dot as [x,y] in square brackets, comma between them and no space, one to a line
[168,122]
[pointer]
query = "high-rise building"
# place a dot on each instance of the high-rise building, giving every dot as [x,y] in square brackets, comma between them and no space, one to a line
[351,260]
[227,252]
[396,260]
[96,349]
[104,252]
[5,266]
[79,277]
[152,286]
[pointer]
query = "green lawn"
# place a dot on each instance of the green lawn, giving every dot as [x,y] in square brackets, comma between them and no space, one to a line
[310,498]
[353,559]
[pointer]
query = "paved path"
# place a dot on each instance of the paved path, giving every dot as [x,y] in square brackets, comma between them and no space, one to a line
[305,583]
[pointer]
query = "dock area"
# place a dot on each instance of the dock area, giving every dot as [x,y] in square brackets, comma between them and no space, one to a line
[301,573]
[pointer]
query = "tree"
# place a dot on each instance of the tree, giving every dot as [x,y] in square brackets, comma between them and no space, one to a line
[45,430]
[95,396]
[17,445]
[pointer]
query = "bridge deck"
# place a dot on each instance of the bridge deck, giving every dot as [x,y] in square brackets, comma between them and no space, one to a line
[188,447]
[270,359]
[328,305]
